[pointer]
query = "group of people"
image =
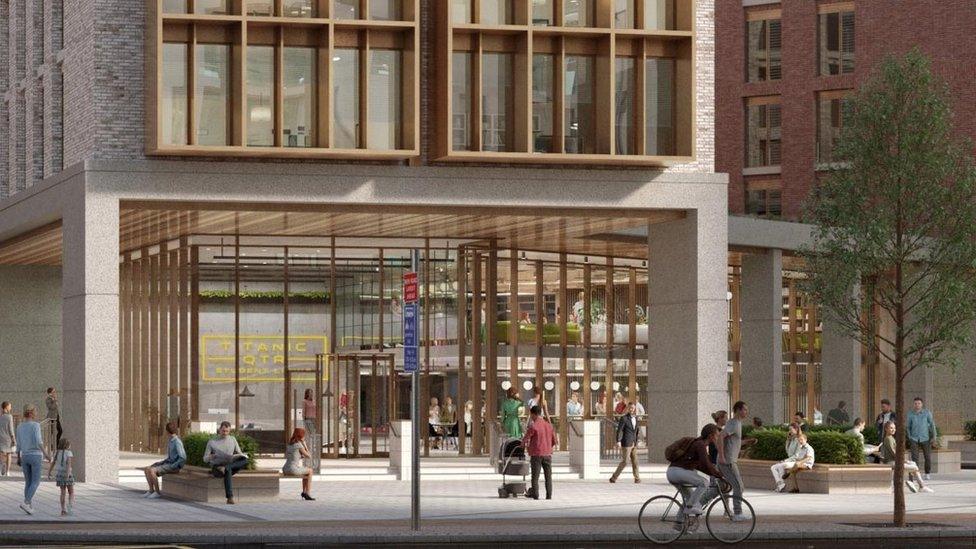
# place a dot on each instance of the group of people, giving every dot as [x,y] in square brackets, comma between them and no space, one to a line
[920,431]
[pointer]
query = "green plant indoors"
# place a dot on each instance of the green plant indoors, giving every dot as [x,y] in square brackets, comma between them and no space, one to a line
[828,446]
[971,430]
[195,443]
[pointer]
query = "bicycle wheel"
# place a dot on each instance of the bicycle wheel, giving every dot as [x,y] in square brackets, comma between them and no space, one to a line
[721,524]
[658,520]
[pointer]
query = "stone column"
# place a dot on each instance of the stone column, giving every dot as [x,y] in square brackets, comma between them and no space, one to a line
[30,333]
[90,333]
[840,373]
[687,359]
[401,449]
[584,448]
[762,335]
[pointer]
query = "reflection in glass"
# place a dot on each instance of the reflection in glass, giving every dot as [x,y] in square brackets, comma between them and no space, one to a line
[260,8]
[623,14]
[461,101]
[298,8]
[496,12]
[497,102]
[174,6]
[385,10]
[345,98]
[763,135]
[212,92]
[173,96]
[345,9]
[260,96]
[832,115]
[836,43]
[579,92]
[578,13]
[659,14]
[763,50]
[624,124]
[542,13]
[298,78]
[212,7]
[461,12]
[385,98]
[659,107]
[543,102]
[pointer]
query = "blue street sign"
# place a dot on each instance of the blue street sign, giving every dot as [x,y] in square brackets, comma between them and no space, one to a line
[411,359]
[410,325]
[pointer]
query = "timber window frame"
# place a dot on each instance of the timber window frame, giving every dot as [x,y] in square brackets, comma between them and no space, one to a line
[836,28]
[764,41]
[833,110]
[763,139]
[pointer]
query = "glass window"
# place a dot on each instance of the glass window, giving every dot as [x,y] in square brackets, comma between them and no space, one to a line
[624,104]
[832,115]
[345,98]
[260,96]
[542,13]
[173,98]
[659,14]
[497,102]
[212,92]
[623,14]
[763,201]
[659,138]
[763,135]
[174,6]
[345,9]
[212,7]
[385,10]
[260,7]
[580,118]
[578,13]
[461,101]
[461,12]
[298,101]
[543,102]
[496,12]
[836,43]
[298,8]
[385,99]
[763,50]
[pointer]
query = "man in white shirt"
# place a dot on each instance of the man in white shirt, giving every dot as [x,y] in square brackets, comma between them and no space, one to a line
[803,458]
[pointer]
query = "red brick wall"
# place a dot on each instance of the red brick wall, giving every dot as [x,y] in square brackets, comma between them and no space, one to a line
[945,30]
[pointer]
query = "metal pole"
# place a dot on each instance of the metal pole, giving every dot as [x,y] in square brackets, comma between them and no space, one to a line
[415,421]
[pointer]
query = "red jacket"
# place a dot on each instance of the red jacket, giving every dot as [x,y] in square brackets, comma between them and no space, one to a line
[539,438]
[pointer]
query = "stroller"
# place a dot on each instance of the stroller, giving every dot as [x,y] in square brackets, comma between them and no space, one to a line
[511,462]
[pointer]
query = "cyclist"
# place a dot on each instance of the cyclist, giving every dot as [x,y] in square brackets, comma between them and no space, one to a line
[691,468]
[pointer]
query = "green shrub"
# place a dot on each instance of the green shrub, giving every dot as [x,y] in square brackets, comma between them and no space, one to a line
[971,430]
[870,433]
[196,443]
[770,444]
[828,446]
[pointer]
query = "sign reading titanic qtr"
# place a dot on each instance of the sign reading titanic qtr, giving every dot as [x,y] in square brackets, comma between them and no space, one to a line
[262,358]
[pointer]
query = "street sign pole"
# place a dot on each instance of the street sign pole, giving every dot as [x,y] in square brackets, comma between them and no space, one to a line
[411,363]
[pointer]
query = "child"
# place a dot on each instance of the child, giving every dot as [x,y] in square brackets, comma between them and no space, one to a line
[64,478]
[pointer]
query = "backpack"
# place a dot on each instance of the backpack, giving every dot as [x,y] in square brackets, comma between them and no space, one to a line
[677,449]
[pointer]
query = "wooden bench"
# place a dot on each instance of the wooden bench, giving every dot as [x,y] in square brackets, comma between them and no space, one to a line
[198,484]
[822,479]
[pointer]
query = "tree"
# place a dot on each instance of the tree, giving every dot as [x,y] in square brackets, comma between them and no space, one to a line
[895,229]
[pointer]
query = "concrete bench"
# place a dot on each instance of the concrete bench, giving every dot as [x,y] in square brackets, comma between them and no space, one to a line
[967,450]
[822,479]
[198,484]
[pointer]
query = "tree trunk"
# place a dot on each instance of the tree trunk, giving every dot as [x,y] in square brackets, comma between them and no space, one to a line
[898,475]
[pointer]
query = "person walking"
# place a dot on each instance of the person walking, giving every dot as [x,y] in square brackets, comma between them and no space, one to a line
[729,445]
[295,455]
[54,412]
[8,438]
[225,457]
[32,454]
[64,477]
[921,431]
[310,412]
[175,460]
[627,442]
[511,422]
[887,414]
[538,441]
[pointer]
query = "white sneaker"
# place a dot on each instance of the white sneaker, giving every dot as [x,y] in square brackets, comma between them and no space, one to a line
[154,495]
[27,508]
[927,490]
[146,495]
[911,486]
[739,517]
[780,486]
[926,476]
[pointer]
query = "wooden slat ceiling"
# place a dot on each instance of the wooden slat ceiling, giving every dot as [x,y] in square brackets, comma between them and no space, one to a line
[42,246]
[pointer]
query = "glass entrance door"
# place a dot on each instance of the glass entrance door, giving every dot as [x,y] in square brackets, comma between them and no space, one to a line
[362,394]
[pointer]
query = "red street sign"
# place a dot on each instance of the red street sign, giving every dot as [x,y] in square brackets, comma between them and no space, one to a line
[409,287]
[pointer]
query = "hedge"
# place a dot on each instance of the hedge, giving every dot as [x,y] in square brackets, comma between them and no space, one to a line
[196,443]
[971,430]
[829,446]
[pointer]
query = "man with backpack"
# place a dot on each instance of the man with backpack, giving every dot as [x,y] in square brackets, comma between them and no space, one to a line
[689,463]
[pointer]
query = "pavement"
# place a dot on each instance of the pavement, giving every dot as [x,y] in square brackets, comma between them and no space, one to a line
[463,510]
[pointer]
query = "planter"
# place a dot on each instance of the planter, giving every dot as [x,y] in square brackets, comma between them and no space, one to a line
[197,484]
[945,461]
[822,479]
[967,449]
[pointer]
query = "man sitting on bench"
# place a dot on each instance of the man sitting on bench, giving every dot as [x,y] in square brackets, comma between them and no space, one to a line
[802,458]
[225,458]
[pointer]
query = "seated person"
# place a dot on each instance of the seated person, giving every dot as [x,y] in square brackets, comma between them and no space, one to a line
[175,460]
[911,468]
[295,455]
[857,431]
[802,458]
[225,457]
[693,468]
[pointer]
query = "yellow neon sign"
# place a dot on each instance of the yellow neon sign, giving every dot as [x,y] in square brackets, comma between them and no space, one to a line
[262,357]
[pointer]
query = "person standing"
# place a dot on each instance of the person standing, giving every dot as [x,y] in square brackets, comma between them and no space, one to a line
[887,414]
[64,477]
[510,413]
[838,416]
[433,423]
[175,460]
[729,445]
[449,423]
[538,441]
[574,408]
[225,457]
[627,442]
[54,412]
[310,412]
[8,438]
[295,455]
[32,454]
[921,431]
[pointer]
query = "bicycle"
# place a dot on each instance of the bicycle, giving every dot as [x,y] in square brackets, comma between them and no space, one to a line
[659,520]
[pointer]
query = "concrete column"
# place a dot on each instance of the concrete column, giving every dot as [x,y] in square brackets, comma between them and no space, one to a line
[584,448]
[840,372]
[687,313]
[30,333]
[401,445]
[90,320]
[762,335]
